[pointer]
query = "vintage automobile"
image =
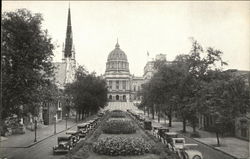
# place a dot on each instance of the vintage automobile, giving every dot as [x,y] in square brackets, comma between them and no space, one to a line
[100,114]
[193,154]
[75,136]
[64,144]
[168,138]
[184,150]
[147,125]
[83,129]
[155,130]
[92,123]
[162,131]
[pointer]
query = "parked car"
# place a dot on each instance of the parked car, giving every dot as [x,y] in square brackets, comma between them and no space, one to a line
[193,154]
[168,138]
[75,136]
[185,150]
[64,144]
[83,129]
[162,131]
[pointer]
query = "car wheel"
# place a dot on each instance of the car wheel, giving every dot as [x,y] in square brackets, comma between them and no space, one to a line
[196,157]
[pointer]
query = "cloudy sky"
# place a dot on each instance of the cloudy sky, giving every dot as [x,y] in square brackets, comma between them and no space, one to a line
[159,27]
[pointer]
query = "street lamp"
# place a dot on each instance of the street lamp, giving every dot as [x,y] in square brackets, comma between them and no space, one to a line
[66,120]
[35,118]
[218,128]
[55,124]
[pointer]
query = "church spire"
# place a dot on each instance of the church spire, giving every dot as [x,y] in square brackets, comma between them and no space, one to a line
[69,38]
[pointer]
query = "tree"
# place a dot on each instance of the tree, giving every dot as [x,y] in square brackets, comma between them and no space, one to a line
[198,63]
[89,92]
[225,96]
[26,60]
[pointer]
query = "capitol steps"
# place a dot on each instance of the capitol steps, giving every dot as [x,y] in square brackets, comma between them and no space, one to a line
[121,106]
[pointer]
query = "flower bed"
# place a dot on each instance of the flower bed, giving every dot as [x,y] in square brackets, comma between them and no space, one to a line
[117,114]
[124,146]
[119,126]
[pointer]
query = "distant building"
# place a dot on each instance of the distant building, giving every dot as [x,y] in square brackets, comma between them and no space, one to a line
[64,73]
[117,75]
[149,68]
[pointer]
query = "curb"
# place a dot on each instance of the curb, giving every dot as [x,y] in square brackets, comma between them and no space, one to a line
[207,145]
[210,146]
[32,144]
[49,137]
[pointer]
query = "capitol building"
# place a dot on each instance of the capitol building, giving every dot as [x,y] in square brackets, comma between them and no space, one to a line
[122,85]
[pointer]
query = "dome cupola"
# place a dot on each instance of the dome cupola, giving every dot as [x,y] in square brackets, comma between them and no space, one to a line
[117,60]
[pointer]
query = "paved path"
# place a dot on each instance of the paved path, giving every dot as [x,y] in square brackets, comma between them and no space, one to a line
[230,147]
[27,139]
[41,150]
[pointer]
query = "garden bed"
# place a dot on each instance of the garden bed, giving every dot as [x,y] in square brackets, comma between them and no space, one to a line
[116,146]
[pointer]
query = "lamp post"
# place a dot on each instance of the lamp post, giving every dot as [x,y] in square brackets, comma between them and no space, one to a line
[35,128]
[218,129]
[55,124]
[66,120]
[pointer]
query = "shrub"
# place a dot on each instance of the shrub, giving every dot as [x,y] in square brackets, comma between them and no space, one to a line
[124,146]
[119,126]
[195,135]
[117,114]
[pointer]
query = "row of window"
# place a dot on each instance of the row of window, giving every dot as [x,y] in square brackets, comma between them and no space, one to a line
[117,84]
[115,65]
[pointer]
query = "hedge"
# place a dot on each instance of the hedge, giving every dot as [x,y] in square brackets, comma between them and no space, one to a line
[124,146]
[119,126]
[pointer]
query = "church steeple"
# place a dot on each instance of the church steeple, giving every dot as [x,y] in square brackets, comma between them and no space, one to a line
[68,51]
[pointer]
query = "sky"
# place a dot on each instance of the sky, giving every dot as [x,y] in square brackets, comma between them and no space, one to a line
[141,26]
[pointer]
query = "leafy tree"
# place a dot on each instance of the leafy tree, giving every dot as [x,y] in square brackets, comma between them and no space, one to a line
[89,92]
[225,97]
[26,60]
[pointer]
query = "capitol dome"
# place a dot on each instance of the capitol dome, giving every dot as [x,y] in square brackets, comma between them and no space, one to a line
[117,60]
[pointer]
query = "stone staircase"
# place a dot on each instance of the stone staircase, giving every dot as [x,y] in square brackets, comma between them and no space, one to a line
[121,106]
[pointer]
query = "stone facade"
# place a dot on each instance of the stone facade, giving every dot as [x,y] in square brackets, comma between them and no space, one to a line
[118,77]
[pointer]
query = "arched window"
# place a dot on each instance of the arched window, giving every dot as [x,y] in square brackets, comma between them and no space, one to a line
[110,97]
[124,97]
[117,97]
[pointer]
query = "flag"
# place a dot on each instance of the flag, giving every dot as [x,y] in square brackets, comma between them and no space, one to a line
[147,53]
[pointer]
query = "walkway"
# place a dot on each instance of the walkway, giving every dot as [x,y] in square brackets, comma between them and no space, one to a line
[27,139]
[235,147]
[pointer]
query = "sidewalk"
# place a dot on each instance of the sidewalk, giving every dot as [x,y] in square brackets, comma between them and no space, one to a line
[27,139]
[230,145]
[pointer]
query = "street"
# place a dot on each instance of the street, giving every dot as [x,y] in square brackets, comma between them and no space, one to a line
[43,150]
[40,150]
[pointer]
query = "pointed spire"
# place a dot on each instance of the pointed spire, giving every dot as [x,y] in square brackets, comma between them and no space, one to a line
[69,37]
[69,16]
[117,44]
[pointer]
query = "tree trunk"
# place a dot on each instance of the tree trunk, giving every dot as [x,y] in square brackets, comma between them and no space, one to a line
[79,115]
[169,120]
[165,120]
[194,128]
[144,110]
[218,140]
[159,116]
[153,113]
[148,112]
[184,125]
[76,117]
[82,114]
